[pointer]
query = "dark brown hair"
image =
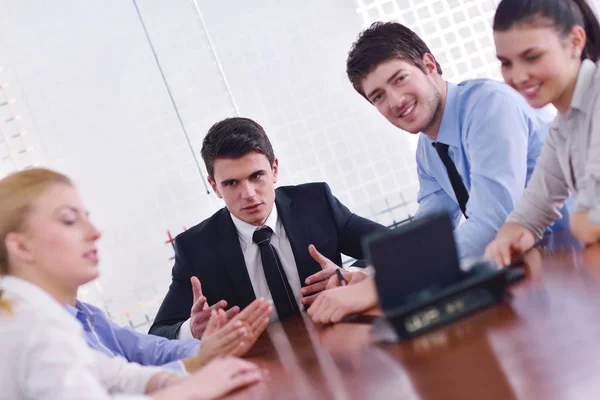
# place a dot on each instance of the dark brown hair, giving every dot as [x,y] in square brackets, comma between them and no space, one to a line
[381,42]
[234,138]
[561,14]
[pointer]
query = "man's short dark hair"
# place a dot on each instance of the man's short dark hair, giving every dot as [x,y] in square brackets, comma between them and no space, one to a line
[381,42]
[234,138]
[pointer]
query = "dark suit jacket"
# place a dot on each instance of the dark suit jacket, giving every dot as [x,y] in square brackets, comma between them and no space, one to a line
[211,250]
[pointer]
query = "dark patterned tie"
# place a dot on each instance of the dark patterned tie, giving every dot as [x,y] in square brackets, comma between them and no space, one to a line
[455,180]
[283,297]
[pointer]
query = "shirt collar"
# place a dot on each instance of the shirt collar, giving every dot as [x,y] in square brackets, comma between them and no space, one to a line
[73,310]
[449,132]
[80,310]
[246,230]
[35,296]
[582,95]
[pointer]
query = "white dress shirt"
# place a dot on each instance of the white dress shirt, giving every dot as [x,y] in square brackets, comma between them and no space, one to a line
[251,252]
[48,355]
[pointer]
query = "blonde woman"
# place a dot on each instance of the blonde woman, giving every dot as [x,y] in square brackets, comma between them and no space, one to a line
[47,250]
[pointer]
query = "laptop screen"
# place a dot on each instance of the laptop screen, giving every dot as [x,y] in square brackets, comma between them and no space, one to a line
[414,260]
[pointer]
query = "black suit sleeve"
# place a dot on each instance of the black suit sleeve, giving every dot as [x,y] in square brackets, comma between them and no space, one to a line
[351,227]
[175,308]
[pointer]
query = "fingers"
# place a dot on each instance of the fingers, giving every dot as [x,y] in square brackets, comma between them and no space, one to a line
[499,251]
[315,287]
[231,366]
[196,288]
[228,338]
[258,322]
[222,318]
[224,326]
[218,305]
[323,312]
[198,305]
[252,308]
[200,317]
[246,378]
[491,252]
[337,315]
[333,306]
[308,300]
[333,282]
[253,317]
[502,250]
[318,257]
[313,310]
[260,326]
[323,275]
[232,312]
[237,330]
[236,348]
[325,263]
[212,325]
[259,311]
[356,277]
[510,248]
[505,251]
[257,327]
[265,314]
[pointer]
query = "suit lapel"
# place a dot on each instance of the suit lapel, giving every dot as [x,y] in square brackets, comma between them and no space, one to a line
[234,260]
[295,227]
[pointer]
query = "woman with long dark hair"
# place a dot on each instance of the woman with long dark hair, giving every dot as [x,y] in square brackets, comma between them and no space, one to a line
[548,51]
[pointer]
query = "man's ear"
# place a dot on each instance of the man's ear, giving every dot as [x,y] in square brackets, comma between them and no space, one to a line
[275,168]
[213,184]
[430,63]
[17,247]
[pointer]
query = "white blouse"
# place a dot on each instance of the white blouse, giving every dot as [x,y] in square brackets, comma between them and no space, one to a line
[43,354]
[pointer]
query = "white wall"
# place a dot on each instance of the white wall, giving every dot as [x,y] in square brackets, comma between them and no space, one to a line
[86,83]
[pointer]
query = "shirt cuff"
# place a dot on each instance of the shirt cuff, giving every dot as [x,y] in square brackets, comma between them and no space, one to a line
[536,231]
[185,331]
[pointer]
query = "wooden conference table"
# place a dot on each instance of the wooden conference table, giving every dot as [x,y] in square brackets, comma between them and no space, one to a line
[542,344]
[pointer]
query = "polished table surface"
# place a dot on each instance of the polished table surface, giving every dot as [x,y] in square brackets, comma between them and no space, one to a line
[543,343]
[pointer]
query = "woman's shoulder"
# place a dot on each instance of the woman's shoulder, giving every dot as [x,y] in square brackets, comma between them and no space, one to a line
[25,319]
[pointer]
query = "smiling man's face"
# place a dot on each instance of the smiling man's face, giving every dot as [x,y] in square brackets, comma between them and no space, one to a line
[404,94]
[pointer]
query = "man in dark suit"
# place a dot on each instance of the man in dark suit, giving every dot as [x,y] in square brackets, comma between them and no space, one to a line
[250,248]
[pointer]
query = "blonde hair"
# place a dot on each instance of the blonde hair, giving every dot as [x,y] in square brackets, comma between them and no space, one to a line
[17,192]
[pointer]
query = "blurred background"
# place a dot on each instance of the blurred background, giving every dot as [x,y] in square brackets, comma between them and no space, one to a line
[118,94]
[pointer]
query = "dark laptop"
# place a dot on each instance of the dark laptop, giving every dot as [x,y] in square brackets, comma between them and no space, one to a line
[414,261]
[419,280]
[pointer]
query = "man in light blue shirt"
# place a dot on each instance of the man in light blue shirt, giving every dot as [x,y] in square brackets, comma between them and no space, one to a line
[104,335]
[479,139]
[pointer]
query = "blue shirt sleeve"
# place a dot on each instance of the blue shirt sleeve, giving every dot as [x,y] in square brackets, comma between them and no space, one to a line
[496,142]
[148,349]
[144,349]
[432,197]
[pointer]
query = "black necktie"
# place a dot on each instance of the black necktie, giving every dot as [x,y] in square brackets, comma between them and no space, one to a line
[283,297]
[457,184]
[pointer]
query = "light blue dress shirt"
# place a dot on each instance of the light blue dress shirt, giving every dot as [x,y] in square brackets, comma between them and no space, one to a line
[104,335]
[494,139]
